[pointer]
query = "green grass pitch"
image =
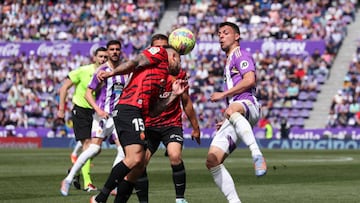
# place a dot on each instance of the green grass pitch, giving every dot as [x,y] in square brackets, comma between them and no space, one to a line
[293,176]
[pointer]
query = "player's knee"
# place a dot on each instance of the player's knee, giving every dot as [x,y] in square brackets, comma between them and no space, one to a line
[175,160]
[95,149]
[211,161]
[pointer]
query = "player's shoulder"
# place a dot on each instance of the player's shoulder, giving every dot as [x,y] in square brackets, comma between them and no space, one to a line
[240,52]
[155,50]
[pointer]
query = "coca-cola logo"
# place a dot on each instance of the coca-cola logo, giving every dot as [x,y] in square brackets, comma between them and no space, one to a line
[9,49]
[60,49]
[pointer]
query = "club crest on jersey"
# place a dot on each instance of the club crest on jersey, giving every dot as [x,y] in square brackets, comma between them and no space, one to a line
[244,64]
[154,50]
[234,70]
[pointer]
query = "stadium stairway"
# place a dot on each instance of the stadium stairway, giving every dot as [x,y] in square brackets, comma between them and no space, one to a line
[318,116]
[169,17]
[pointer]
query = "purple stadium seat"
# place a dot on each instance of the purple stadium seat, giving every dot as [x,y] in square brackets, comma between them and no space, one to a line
[299,104]
[304,113]
[303,96]
[299,122]
[308,104]
[294,113]
[313,95]
[284,112]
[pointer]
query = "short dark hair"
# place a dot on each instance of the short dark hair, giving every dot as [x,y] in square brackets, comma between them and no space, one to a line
[112,42]
[99,49]
[158,37]
[232,25]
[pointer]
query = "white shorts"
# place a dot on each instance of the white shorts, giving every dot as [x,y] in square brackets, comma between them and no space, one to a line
[103,128]
[252,111]
[226,137]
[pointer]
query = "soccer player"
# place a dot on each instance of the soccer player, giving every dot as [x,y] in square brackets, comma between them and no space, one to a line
[143,96]
[167,128]
[82,111]
[241,114]
[107,94]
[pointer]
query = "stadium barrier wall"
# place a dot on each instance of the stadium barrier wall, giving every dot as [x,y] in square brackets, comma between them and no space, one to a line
[322,144]
[339,138]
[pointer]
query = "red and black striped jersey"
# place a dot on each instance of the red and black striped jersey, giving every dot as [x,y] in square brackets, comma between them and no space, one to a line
[146,84]
[172,114]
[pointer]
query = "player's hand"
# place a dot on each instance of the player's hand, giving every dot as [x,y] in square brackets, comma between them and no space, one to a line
[102,114]
[195,134]
[216,96]
[61,114]
[102,75]
[179,87]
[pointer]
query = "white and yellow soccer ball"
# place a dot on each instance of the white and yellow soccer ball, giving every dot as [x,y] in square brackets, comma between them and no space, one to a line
[183,40]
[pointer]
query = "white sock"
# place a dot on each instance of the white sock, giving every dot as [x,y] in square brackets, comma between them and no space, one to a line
[119,156]
[225,183]
[77,148]
[245,131]
[90,152]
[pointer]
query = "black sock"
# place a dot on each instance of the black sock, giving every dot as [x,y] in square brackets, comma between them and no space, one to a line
[124,191]
[142,188]
[179,179]
[118,172]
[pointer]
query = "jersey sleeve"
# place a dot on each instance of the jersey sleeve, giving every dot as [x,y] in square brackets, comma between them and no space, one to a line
[75,75]
[94,82]
[245,64]
[155,55]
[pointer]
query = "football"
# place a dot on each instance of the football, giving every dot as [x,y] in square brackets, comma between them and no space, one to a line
[183,40]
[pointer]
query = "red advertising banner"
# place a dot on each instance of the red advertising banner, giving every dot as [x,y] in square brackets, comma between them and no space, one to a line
[20,143]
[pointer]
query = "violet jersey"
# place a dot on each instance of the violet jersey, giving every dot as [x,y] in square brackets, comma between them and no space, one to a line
[238,63]
[172,114]
[107,93]
[146,84]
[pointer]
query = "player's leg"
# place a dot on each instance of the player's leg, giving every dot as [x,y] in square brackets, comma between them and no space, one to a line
[75,152]
[82,120]
[173,139]
[224,142]
[242,115]
[142,184]
[133,143]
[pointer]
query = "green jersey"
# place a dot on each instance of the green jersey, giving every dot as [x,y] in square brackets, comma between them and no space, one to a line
[81,78]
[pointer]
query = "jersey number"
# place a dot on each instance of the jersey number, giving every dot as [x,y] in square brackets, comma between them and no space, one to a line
[139,124]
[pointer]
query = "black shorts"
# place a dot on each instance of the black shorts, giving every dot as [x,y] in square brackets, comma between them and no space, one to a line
[155,135]
[129,125]
[82,122]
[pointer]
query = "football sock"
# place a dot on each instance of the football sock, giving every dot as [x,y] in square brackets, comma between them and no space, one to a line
[85,170]
[84,156]
[119,156]
[245,131]
[142,188]
[225,182]
[118,172]
[77,148]
[179,179]
[125,189]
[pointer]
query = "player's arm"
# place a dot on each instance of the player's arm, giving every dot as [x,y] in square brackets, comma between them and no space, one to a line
[190,113]
[178,88]
[125,68]
[248,81]
[90,99]
[62,97]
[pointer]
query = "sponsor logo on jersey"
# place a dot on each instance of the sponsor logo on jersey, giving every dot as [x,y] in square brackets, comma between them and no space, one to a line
[154,50]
